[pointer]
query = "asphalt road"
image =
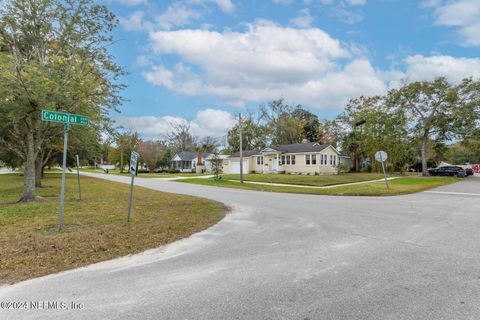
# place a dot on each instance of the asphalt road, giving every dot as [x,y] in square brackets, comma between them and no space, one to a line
[287,256]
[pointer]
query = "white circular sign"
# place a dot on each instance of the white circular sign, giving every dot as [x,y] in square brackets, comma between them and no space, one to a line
[381,156]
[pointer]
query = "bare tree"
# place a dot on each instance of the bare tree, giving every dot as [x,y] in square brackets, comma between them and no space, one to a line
[209,144]
[180,138]
[152,153]
[217,167]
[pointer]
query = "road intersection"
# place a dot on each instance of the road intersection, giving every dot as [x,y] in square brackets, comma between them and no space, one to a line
[288,256]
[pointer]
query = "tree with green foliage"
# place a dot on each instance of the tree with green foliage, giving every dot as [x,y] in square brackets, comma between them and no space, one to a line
[384,129]
[209,144]
[310,123]
[282,127]
[53,56]
[438,110]
[253,135]
[125,142]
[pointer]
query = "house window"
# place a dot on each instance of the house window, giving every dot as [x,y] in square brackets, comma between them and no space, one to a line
[288,160]
[282,162]
[259,160]
[307,159]
[314,159]
[333,160]
[293,159]
[323,159]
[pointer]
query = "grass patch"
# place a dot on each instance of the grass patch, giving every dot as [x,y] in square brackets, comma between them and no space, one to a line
[95,229]
[319,181]
[398,186]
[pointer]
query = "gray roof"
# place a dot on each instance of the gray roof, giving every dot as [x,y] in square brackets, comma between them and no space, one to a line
[246,153]
[300,147]
[286,148]
[190,155]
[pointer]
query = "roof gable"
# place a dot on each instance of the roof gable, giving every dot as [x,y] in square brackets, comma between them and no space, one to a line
[189,156]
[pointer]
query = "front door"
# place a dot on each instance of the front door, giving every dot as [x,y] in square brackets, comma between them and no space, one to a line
[275,163]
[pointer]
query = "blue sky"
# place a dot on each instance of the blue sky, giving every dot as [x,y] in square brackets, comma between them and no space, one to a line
[204,60]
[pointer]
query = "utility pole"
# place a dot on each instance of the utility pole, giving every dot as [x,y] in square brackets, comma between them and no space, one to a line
[355,156]
[121,160]
[241,146]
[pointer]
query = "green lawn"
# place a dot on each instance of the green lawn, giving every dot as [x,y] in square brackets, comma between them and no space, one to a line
[145,175]
[319,181]
[95,229]
[398,186]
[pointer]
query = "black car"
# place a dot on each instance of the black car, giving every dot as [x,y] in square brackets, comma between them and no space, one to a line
[469,171]
[452,171]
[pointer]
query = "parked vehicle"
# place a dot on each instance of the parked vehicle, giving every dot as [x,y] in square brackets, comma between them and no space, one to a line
[469,171]
[452,171]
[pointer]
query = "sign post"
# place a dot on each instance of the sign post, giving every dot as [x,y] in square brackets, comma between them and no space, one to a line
[381,156]
[78,179]
[66,119]
[133,170]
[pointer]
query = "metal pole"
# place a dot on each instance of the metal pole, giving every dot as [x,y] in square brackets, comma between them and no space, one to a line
[78,179]
[131,194]
[64,169]
[384,172]
[121,160]
[241,146]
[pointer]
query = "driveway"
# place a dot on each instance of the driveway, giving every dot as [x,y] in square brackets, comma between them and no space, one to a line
[288,256]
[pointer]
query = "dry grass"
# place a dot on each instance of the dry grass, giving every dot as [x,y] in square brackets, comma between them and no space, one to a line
[95,229]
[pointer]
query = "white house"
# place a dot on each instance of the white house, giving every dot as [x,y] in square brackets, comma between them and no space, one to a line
[186,161]
[299,158]
[209,159]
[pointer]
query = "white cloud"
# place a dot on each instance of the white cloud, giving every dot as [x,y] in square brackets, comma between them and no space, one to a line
[455,69]
[346,15]
[461,14]
[175,15]
[225,5]
[134,22]
[208,122]
[303,20]
[265,62]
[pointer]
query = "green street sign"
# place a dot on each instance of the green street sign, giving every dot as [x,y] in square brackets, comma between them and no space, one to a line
[63,117]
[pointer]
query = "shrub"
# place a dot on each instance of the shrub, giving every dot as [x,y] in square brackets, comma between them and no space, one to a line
[341,168]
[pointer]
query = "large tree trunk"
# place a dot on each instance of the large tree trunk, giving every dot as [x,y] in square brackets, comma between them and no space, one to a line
[38,173]
[424,154]
[29,171]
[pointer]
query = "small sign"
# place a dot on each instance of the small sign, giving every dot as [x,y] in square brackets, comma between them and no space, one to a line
[133,170]
[133,162]
[62,117]
[381,156]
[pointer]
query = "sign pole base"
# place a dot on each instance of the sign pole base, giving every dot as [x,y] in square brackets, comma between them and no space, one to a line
[131,196]
[64,169]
